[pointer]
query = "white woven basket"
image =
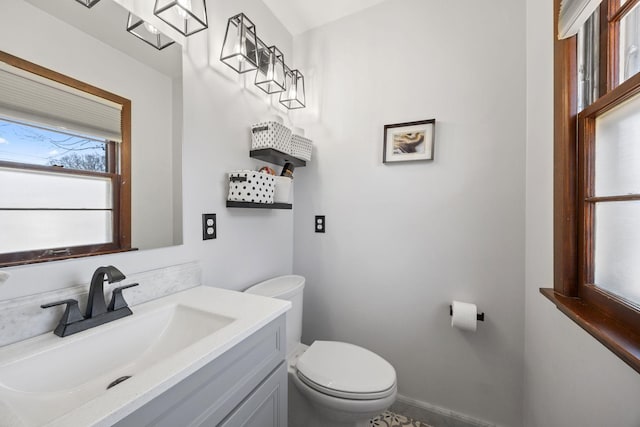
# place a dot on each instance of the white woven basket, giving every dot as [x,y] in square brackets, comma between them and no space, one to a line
[301,147]
[271,135]
[251,186]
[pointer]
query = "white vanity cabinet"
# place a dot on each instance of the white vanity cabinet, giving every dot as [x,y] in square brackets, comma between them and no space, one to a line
[244,386]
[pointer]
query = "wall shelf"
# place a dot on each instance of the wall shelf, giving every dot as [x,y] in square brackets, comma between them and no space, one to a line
[276,157]
[250,205]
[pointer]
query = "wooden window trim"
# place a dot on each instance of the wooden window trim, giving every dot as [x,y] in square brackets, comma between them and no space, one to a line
[611,13]
[600,314]
[32,257]
[122,179]
[616,12]
[623,341]
[565,246]
[609,30]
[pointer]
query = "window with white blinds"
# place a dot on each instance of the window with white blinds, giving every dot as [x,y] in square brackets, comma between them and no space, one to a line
[573,15]
[28,97]
[65,166]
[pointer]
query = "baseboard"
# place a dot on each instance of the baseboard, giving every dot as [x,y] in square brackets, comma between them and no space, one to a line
[435,415]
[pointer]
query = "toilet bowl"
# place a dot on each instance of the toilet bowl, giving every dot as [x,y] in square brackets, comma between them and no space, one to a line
[331,383]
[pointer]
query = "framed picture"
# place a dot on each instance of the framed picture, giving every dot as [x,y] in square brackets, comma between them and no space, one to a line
[404,142]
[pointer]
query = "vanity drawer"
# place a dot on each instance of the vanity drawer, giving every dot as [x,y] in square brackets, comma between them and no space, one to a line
[265,407]
[206,397]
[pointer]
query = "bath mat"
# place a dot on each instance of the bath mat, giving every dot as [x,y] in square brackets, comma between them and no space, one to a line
[391,419]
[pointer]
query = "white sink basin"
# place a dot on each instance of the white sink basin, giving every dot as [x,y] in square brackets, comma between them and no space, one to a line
[49,380]
[122,349]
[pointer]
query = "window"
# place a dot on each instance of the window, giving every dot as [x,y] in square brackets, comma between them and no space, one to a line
[597,177]
[64,166]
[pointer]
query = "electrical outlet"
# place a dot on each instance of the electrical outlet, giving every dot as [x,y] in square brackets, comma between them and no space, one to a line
[320,224]
[209,228]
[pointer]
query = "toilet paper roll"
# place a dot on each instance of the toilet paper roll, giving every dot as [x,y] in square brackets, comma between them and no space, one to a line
[465,316]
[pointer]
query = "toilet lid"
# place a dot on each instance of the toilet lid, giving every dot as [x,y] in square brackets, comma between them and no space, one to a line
[346,370]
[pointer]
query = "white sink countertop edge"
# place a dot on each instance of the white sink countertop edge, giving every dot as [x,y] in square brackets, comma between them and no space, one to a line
[250,311]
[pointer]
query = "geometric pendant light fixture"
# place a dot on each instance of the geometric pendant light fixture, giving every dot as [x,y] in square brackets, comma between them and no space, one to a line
[240,46]
[244,51]
[147,32]
[270,75]
[185,16]
[88,3]
[293,97]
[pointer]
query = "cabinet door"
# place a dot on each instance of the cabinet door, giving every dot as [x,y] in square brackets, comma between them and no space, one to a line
[266,406]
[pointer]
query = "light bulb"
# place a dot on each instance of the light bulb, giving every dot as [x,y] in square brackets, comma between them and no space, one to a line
[153,30]
[242,47]
[270,72]
[293,91]
[238,48]
[184,7]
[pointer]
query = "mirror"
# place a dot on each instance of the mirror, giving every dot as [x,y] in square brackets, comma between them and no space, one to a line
[93,46]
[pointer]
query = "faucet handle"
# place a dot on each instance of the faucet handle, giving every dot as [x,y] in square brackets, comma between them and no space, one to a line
[71,313]
[117,299]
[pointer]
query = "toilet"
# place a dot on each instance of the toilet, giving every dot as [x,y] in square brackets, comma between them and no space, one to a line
[331,383]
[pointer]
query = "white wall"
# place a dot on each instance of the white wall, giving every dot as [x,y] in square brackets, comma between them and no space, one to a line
[218,110]
[403,240]
[570,378]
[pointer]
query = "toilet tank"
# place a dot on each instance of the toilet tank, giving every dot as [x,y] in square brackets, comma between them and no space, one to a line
[289,288]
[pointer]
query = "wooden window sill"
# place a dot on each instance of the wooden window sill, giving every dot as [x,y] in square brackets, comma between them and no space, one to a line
[621,339]
[13,263]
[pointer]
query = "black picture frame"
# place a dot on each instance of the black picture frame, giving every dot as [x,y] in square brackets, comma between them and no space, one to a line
[409,141]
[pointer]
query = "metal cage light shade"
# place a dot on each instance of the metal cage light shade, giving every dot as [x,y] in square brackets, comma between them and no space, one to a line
[293,97]
[88,3]
[240,47]
[147,32]
[185,16]
[270,76]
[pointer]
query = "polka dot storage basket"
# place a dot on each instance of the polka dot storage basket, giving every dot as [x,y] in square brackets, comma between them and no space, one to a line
[301,147]
[251,186]
[271,135]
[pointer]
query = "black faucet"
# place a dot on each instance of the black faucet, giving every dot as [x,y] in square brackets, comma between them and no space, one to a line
[97,312]
[96,304]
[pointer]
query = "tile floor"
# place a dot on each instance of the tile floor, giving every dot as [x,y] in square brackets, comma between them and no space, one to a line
[391,419]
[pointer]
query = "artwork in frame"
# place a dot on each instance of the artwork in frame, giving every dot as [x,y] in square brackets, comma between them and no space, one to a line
[404,142]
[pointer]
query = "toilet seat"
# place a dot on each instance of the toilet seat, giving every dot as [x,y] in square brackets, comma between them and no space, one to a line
[346,371]
[346,395]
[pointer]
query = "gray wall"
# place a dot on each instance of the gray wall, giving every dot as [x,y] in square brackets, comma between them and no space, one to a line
[403,240]
[570,378]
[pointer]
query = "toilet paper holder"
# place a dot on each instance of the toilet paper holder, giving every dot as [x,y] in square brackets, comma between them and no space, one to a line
[479,316]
